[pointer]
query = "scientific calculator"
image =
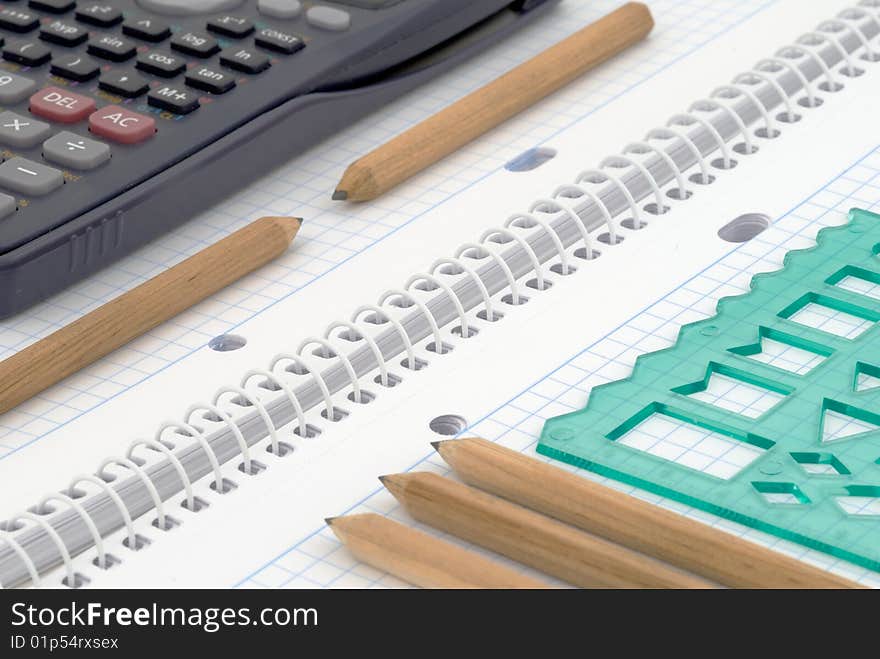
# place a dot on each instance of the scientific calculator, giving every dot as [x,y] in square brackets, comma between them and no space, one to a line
[121,120]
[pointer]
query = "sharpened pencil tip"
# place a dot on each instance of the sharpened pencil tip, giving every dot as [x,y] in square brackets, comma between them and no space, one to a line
[436,445]
[395,483]
[329,520]
[340,195]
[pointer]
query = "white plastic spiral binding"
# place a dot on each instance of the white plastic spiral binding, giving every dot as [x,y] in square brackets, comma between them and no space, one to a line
[258,384]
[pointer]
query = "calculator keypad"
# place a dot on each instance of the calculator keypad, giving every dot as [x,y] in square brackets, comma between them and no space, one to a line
[86,83]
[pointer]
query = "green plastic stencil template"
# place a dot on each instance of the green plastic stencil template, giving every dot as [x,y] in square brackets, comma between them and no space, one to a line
[768,413]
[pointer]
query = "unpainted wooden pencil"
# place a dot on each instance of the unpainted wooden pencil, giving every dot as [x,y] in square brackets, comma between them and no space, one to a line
[421,559]
[531,538]
[629,521]
[132,314]
[460,123]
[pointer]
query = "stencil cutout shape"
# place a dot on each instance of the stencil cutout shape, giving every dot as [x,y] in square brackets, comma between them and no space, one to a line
[805,338]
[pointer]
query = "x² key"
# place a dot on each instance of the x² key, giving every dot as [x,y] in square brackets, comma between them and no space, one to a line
[61,105]
[121,125]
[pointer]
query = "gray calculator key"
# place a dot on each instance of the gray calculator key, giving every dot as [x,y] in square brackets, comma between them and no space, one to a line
[14,88]
[29,178]
[8,205]
[21,132]
[280,8]
[71,150]
[187,7]
[329,18]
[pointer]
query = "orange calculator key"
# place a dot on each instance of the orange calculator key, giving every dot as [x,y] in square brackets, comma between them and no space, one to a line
[61,105]
[121,125]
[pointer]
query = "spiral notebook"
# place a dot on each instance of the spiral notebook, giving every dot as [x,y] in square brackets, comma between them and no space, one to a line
[480,301]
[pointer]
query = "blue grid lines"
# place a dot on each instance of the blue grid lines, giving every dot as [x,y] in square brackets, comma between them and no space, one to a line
[518,423]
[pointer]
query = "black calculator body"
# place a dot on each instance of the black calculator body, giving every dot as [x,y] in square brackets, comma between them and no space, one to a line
[120,120]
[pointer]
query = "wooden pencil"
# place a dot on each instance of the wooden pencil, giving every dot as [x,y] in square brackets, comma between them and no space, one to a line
[629,521]
[421,559]
[531,538]
[139,310]
[460,123]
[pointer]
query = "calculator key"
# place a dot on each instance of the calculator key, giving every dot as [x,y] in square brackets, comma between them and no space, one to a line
[8,205]
[328,18]
[111,47]
[195,44]
[99,13]
[28,53]
[231,26]
[121,125]
[61,105]
[76,67]
[161,63]
[174,99]
[280,42]
[29,178]
[53,6]
[63,33]
[22,132]
[15,88]
[188,7]
[244,60]
[286,9]
[70,150]
[209,80]
[124,83]
[17,20]
[147,29]
[381,4]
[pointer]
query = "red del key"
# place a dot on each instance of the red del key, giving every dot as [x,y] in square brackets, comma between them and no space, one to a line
[121,125]
[61,105]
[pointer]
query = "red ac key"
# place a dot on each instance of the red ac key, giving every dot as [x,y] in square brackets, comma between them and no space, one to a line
[121,125]
[60,105]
